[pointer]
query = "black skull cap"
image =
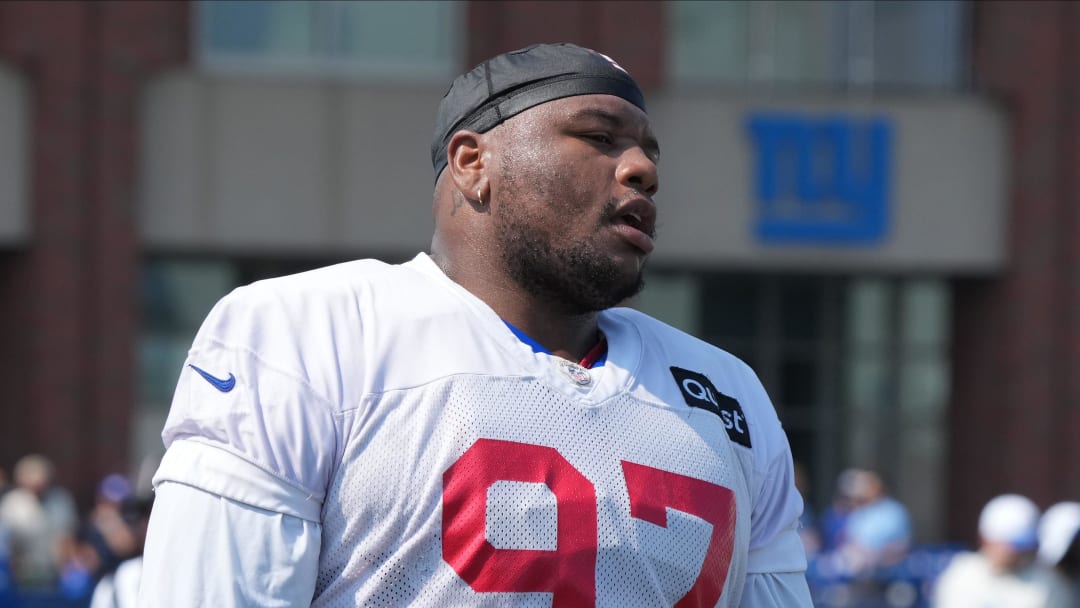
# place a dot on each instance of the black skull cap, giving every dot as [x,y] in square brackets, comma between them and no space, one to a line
[513,82]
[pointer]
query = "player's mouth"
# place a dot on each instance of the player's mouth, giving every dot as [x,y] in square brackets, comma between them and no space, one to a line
[635,221]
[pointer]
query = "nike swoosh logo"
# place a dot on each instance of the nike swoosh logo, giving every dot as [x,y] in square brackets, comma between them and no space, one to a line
[224,385]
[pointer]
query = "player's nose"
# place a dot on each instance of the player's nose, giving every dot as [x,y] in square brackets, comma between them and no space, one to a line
[638,171]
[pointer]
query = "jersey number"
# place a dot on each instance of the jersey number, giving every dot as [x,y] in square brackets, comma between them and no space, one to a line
[569,571]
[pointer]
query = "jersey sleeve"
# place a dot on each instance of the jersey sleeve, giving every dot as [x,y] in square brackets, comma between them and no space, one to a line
[782,590]
[775,544]
[193,558]
[776,549]
[246,423]
[251,444]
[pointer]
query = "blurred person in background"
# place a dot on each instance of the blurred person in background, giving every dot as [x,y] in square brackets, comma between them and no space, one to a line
[120,588]
[103,540]
[1059,542]
[833,519]
[40,517]
[7,585]
[107,531]
[877,532]
[1004,572]
[5,534]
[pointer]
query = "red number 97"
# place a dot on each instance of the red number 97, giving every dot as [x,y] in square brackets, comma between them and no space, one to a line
[569,571]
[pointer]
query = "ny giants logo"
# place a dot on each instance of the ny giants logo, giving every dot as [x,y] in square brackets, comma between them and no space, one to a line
[822,179]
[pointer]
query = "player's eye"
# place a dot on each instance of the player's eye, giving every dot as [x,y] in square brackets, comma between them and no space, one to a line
[601,138]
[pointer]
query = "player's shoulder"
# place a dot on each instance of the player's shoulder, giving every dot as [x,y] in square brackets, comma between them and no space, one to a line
[326,309]
[341,280]
[339,290]
[707,377]
[664,341]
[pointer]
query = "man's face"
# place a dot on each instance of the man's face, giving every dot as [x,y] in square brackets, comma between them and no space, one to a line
[573,200]
[1003,557]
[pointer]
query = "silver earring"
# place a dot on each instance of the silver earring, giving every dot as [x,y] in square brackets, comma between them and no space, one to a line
[480,196]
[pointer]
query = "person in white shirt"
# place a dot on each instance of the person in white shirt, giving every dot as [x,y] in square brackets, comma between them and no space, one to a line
[483,425]
[1059,543]
[1004,572]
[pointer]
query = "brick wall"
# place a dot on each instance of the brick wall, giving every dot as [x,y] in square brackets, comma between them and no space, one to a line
[632,33]
[76,282]
[1015,417]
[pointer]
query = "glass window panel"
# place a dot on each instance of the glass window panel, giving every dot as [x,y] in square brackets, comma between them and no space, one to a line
[924,383]
[178,294]
[867,311]
[823,42]
[161,355]
[386,38]
[857,42]
[674,299]
[731,308]
[919,43]
[290,29]
[800,309]
[802,447]
[867,381]
[802,42]
[925,305]
[709,41]
[281,27]
[235,25]
[375,29]
[798,381]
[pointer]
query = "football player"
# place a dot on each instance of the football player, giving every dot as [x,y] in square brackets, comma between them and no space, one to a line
[482,425]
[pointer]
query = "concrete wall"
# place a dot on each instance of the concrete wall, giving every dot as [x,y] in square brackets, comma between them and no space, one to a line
[235,165]
[1015,414]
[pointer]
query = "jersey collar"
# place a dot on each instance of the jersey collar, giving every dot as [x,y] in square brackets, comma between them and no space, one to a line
[596,356]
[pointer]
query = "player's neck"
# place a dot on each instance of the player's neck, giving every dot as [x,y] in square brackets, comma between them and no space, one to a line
[571,338]
[568,336]
[563,335]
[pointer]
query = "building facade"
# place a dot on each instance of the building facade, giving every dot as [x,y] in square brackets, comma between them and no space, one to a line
[874,204]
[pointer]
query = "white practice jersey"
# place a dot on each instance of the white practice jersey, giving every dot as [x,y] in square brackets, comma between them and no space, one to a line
[443,462]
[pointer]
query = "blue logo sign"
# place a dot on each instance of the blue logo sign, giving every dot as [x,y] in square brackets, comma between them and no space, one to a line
[821,180]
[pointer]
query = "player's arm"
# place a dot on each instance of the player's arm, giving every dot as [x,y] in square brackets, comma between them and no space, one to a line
[251,447]
[776,568]
[204,549]
[780,589]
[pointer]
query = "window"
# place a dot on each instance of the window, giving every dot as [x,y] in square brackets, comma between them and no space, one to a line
[896,373]
[820,43]
[400,40]
[857,367]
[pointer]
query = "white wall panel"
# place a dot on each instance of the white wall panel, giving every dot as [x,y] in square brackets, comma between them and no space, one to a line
[258,166]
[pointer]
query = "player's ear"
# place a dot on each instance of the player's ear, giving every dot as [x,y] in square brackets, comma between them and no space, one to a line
[466,163]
